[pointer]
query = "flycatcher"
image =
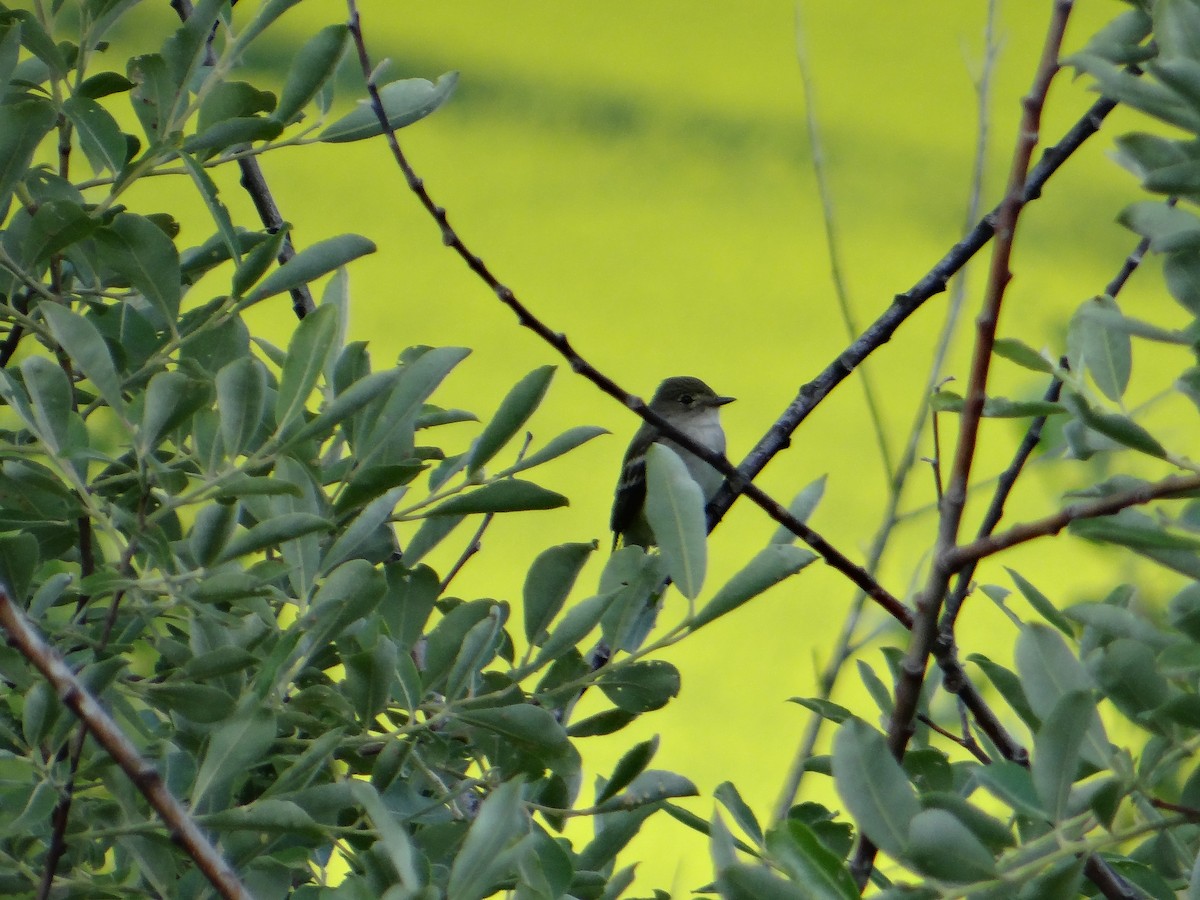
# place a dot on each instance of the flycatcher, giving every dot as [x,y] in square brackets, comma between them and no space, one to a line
[694,408]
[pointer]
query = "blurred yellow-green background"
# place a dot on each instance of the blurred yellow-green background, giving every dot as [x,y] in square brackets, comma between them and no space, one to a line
[640,174]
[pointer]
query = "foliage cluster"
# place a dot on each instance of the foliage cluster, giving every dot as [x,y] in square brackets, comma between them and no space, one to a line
[226,542]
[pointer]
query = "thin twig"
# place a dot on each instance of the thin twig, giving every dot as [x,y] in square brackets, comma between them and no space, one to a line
[976,550]
[255,185]
[911,675]
[995,510]
[832,244]
[899,477]
[879,332]
[181,826]
[473,547]
[581,366]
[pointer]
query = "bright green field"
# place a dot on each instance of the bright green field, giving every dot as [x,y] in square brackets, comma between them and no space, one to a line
[639,173]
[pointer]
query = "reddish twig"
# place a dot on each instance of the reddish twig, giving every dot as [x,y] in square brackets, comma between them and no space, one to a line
[911,674]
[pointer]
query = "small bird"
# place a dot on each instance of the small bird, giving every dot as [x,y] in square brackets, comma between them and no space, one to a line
[694,408]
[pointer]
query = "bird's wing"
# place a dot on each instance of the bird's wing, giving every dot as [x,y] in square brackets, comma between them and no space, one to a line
[631,494]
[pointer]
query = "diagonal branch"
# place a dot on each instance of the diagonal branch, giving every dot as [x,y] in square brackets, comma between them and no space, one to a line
[182,827]
[880,331]
[911,675]
[559,341]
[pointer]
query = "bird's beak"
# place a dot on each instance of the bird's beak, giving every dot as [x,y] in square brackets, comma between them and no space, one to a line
[721,401]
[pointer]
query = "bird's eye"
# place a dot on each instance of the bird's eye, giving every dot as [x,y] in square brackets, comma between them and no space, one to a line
[687,399]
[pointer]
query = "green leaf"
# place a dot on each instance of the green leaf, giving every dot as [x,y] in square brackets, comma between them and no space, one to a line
[272,532]
[1056,748]
[506,495]
[563,443]
[55,226]
[1127,672]
[361,529]
[514,412]
[417,380]
[404,102]
[1121,429]
[573,627]
[22,127]
[1041,603]
[489,852]
[212,530]
[741,881]
[1169,228]
[232,749]
[801,508]
[279,817]
[1105,352]
[346,404]
[1009,686]
[1050,671]
[99,135]
[241,403]
[1012,784]
[139,250]
[994,834]
[649,787]
[942,846]
[83,343]
[996,407]
[231,133]
[826,709]
[312,66]
[310,264]
[641,686]
[729,797]
[809,862]
[50,401]
[675,511]
[171,397]
[873,786]
[548,584]
[1181,270]
[770,566]
[1183,611]
[308,350]
[198,702]
[1022,354]
[349,593]
[528,727]
[396,843]
[628,767]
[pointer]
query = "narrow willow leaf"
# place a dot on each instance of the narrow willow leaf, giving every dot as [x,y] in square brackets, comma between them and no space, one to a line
[313,65]
[1056,748]
[649,787]
[273,532]
[548,584]
[809,862]
[1041,603]
[141,252]
[628,767]
[393,837]
[507,495]
[1022,354]
[487,854]
[1169,228]
[99,135]
[942,846]
[801,507]
[514,412]
[675,511]
[83,343]
[528,727]
[727,794]
[241,402]
[404,102]
[308,350]
[22,127]
[873,786]
[996,407]
[563,443]
[367,523]
[1181,270]
[232,749]
[310,264]
[1105,352]
[641,686]
[167,403]
[346,404]
[1120,428]
[265,15]
[1049,671]
[417,380]
[576,624]
[769,567]
[50,401]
